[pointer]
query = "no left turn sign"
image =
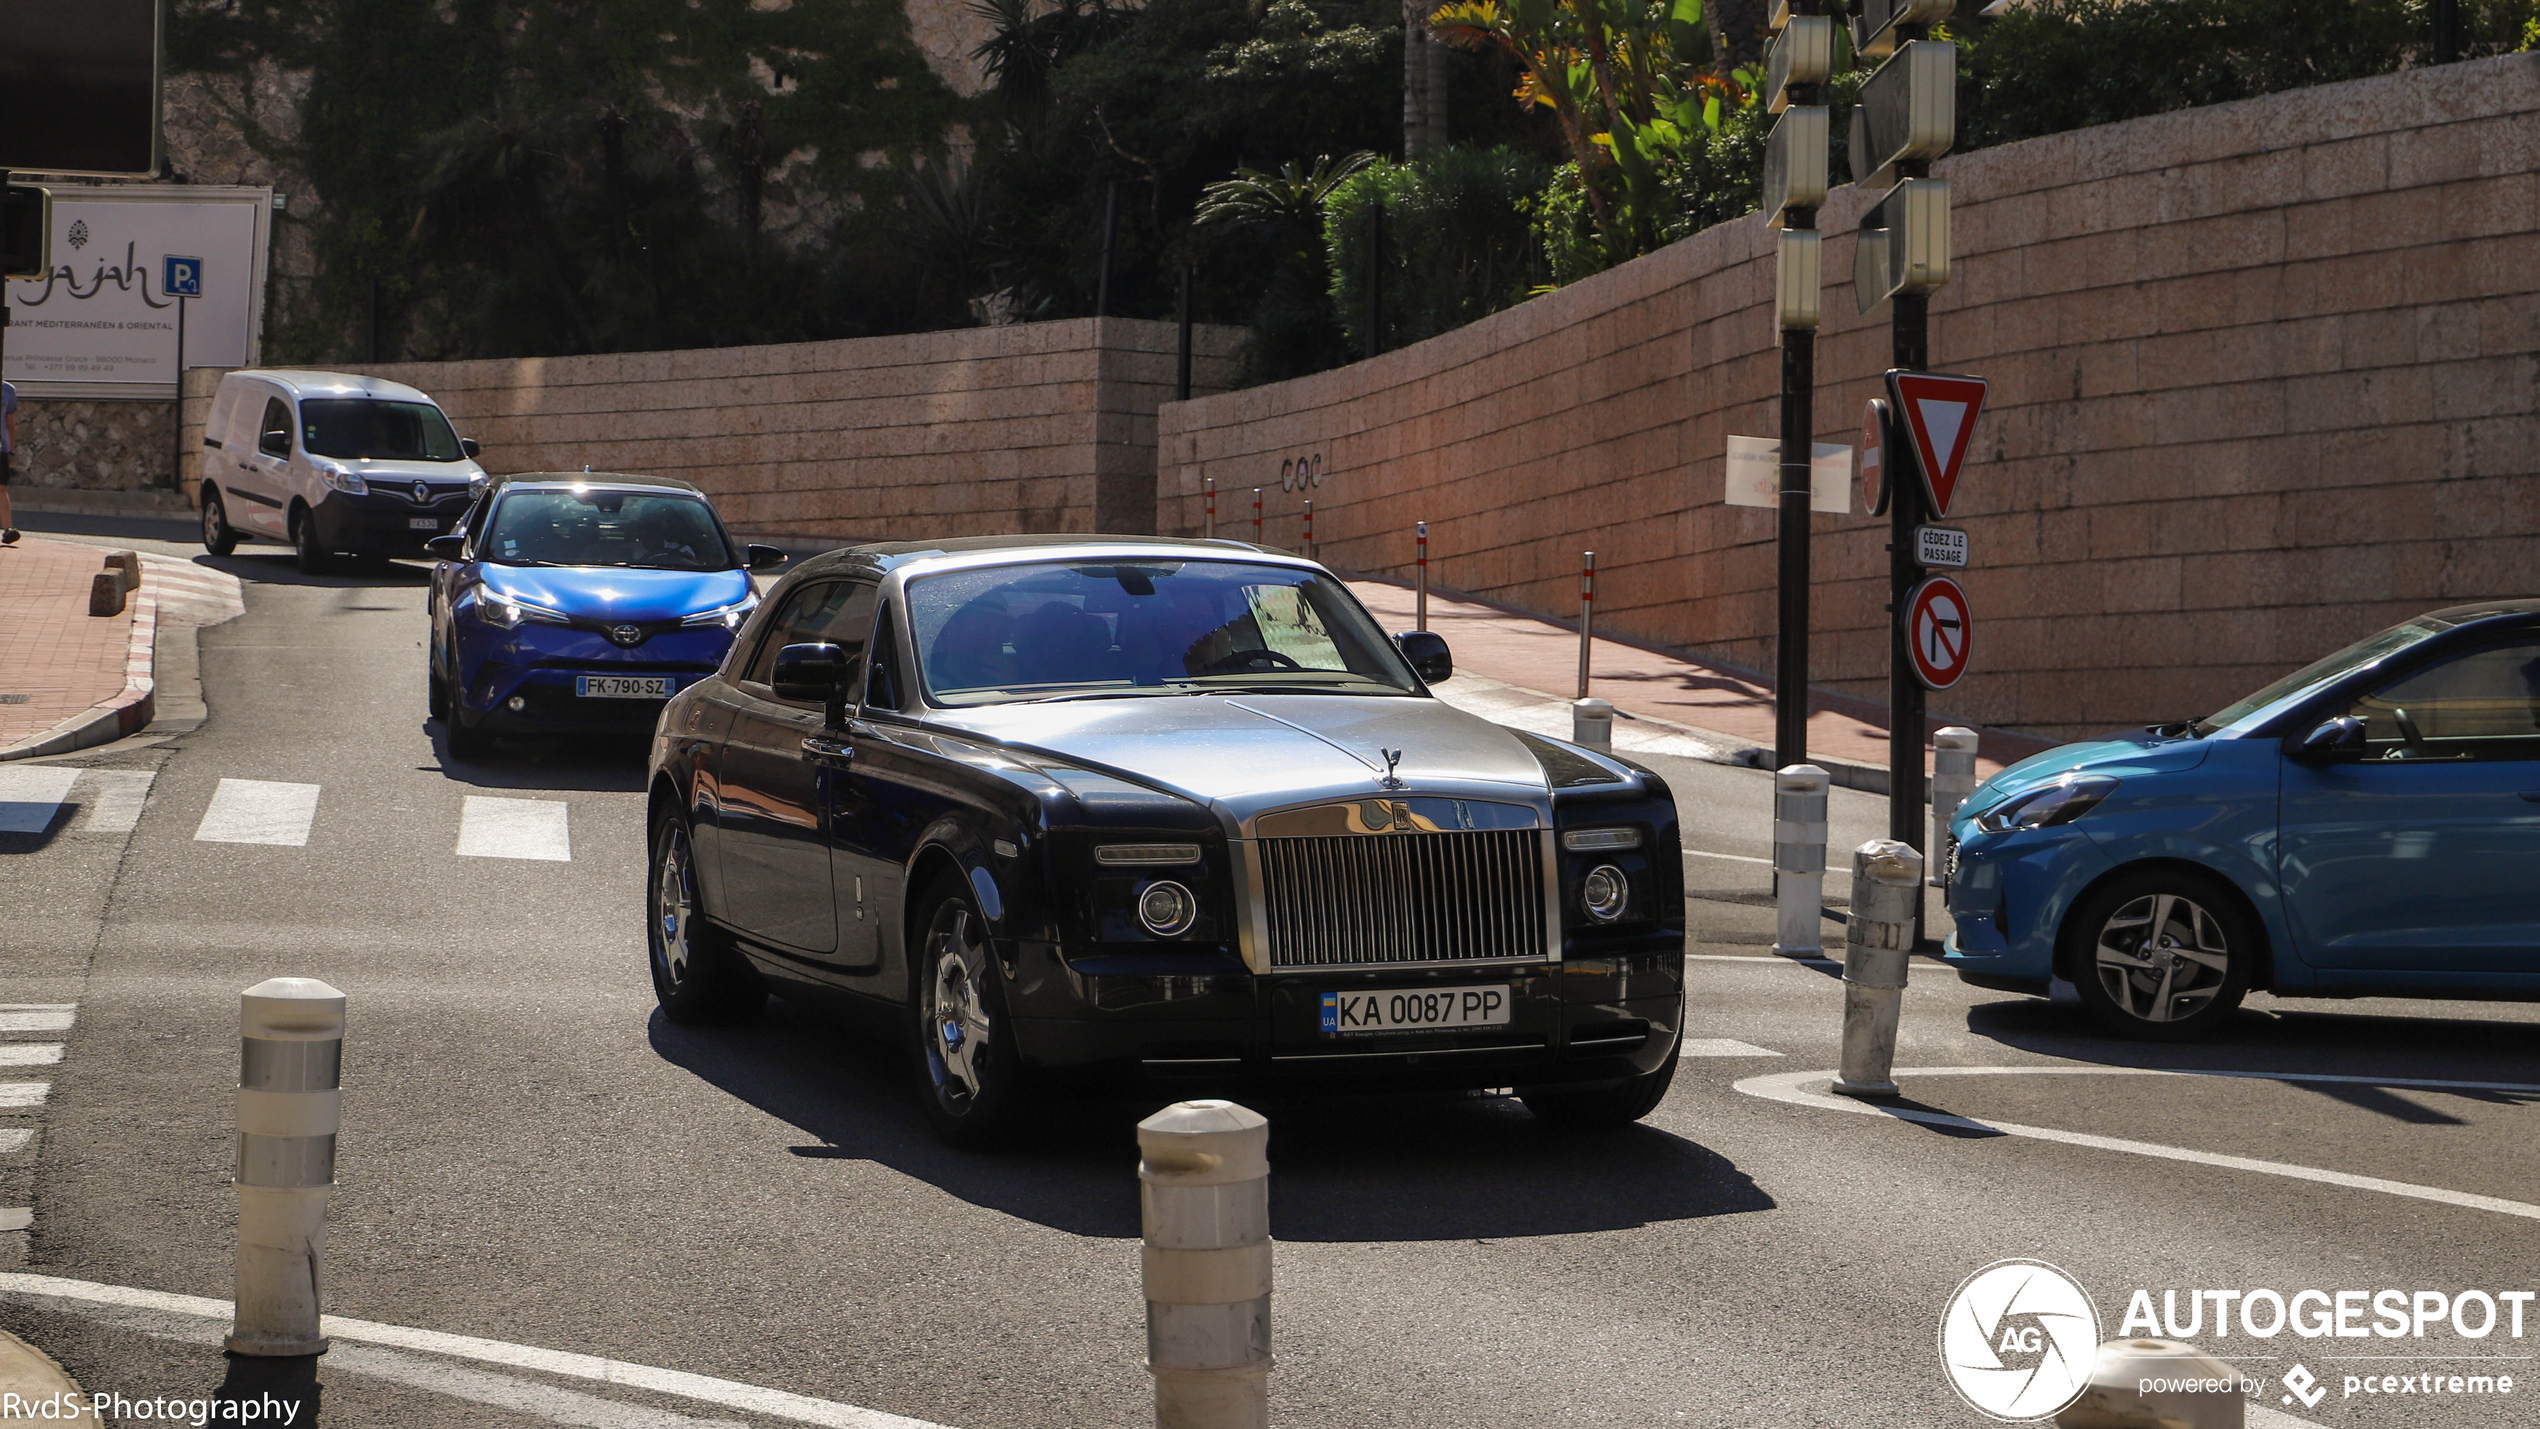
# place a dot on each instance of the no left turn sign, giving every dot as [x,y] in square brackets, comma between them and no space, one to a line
[1938,632]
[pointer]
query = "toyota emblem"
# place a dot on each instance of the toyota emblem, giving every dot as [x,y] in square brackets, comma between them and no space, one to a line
[423,494]
[629,636]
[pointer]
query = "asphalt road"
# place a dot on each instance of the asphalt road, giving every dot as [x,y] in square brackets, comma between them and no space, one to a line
[532,1156]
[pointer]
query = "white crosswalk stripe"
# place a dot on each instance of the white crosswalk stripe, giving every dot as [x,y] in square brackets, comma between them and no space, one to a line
[259,811]
[36,1016]
[21,1103]
[30,1054]
[23,1096]
[515,828]
[111,799]
[32,796]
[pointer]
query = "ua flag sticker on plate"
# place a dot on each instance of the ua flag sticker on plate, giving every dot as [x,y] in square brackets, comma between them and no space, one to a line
[1939,412]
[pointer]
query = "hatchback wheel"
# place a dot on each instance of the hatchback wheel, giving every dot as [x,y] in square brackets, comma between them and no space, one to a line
[2162,956]
[698,976]
[965,1051]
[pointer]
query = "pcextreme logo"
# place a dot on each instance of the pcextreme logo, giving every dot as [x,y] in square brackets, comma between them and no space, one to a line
[2018,1339]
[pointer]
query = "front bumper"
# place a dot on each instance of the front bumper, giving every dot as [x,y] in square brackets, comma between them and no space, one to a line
[1201,1018]
[539,665]
[381,524]
[2008,897]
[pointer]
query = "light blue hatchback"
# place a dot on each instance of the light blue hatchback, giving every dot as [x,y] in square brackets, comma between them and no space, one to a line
[2367,826]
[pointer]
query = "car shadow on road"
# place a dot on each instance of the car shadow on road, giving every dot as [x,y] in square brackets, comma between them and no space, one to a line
[1444,1167]
[612,763]
[277,566]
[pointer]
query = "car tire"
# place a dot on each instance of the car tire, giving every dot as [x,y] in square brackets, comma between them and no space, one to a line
[1611,1106]
[970,1079]
[466,740]
[2161,954]
[436,692]
[315,560]
[698,976]
[219,537]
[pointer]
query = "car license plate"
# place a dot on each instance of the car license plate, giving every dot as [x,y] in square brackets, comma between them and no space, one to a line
[622,687]
[423,523]
[1414,1009]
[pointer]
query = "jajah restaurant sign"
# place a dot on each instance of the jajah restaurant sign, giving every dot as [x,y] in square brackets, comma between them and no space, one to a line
[101,323]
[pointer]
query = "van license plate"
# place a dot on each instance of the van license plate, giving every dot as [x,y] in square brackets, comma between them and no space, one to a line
[622,687]
[423,523]
[1414,1009]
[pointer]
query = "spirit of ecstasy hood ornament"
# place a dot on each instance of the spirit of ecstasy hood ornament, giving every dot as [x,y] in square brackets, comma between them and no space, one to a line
[1393,759]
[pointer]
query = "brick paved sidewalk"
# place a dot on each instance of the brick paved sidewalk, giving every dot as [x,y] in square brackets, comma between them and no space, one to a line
[1712,704]
[70,667]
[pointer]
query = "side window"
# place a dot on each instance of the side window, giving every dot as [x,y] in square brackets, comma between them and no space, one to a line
[2481,705]
[216,422]
[275,438]
[840,612]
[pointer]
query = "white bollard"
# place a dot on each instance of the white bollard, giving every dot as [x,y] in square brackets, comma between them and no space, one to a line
[1953,778]
[1887,881]
[290,1059]
[1592,724]
[2157,1384]
[1204,1199]
[1799,859]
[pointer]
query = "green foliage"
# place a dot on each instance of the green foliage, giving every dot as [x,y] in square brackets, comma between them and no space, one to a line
[546,176]
[1455,241]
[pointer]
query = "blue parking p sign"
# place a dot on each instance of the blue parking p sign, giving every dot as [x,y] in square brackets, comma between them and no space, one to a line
[183,277]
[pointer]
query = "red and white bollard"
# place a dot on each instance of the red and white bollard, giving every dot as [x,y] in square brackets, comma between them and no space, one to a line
[1256,515]
[1587,616]
[1208,486]
[1309,528]
[1420,604]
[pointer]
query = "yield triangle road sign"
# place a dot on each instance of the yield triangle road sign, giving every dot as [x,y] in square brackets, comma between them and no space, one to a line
[1939,415]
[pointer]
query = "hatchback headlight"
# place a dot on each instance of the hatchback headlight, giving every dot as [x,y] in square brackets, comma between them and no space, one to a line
[2061,802]
[505,613]
[343,479]
[729,617]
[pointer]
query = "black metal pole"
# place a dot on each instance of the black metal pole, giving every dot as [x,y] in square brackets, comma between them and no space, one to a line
[1110,228]
[1375,269]
[2447,31]
[1182,367]
[1799,383]
[176,443]
[374,320]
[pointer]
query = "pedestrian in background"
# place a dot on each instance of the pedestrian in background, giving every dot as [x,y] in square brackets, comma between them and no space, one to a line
[8,458]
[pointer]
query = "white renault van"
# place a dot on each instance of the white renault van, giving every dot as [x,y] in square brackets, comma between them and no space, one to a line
[330,463]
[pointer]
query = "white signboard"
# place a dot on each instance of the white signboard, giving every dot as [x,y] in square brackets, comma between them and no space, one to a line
[1755,475]
[100,325]
[1940,546]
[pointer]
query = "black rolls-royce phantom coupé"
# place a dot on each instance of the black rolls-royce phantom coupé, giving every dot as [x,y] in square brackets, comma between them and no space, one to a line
[1067,811]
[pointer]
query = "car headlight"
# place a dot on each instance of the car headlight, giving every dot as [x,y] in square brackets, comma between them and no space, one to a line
[343,479]
[1167,908]
[1605,892]
[1585,840]
[503,612]
[2061,802]
[729,617]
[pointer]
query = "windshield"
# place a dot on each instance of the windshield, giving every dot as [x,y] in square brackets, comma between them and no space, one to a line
[2319,672]
[665,530]
[1081,631]
[359,428]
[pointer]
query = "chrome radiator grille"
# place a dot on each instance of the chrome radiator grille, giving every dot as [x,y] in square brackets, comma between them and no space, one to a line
[1403,898]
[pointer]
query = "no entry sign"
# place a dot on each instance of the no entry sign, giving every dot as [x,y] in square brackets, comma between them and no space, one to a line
[1938,632]
[1938,412]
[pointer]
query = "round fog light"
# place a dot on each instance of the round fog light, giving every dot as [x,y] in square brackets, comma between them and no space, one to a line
[516,704]
[1604,892]
[1168,909]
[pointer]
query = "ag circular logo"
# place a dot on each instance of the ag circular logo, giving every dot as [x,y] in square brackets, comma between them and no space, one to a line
[2018,1340]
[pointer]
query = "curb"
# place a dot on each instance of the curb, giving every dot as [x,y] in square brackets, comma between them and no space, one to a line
[35,1379]
[125,714]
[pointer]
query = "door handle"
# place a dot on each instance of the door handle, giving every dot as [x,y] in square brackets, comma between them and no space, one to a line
[2531,795]
[836,753]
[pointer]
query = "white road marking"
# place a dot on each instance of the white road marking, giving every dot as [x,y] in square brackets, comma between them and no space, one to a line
[259,811]
[1754,958]
[30,1054]
[515,828]
[18,1096]
[1731,857]
[1724,1047]
[12,1142]
[36,1017]
[112,799]
[1785,1087]
[723,1393]
[30,795]
[16,1218]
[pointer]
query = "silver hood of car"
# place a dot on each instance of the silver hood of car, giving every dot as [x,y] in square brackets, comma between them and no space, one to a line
[1246,755]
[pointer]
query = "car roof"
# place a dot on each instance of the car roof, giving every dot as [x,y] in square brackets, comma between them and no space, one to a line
[882,556]
[2511,612]
[619,480]
[301,382]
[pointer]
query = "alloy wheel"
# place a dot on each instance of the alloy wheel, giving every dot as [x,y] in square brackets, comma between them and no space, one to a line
[212,522]
[674,906]
[957,1028]
[2162,958]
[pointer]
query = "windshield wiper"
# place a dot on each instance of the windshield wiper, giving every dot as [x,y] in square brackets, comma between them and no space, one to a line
[521,561]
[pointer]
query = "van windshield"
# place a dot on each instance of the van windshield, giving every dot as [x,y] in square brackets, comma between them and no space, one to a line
[365,428]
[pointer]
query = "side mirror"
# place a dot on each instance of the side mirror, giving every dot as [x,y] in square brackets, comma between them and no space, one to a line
[1427,652]
[274,444]
[813,674]
[2339,738]
[444,547]
[469,449]
[765,558]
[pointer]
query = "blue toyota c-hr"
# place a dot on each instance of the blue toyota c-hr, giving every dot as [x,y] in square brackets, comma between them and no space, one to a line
[581,603]
[2367,826]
